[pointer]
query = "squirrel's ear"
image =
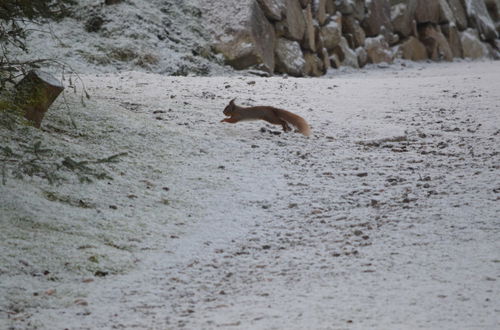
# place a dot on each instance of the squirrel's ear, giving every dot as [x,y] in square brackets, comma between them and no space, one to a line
[232,101]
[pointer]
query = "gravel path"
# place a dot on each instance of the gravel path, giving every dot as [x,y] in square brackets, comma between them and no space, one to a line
[387,217]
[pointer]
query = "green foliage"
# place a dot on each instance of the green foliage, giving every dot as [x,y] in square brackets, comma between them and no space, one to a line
[37,160]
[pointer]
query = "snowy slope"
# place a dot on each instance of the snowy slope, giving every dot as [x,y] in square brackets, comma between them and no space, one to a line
[386,218]
[155,36]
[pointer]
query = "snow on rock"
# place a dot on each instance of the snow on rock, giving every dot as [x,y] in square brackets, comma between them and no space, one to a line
[481,20]
[346,54]
[402,18]
[472,46]
[378,18]
[332,33]
[289,57]
[242,33]
[459,13]
[378,50]
[293,26]
[274,9]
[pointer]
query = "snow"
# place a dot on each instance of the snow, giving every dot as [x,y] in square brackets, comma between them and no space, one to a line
[387,217]
[152,36]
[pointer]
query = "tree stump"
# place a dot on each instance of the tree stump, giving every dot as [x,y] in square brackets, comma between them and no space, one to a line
[35,93]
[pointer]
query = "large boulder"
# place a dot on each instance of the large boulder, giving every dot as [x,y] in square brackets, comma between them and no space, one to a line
[434,11]
[458,11]
[445,13]
[451,33]
[481,20]
[427,11]
[435,42]
[378,50]
[320,12]
[402,18]
[346,55]
[378,19]
[493,7]
[323,55]
[412,49]
[362,56]
[351,26]
[314,66]
[289,58]
[309,41]
[294,25]
[274,9]
[332,33]
[472,45]
[248,42]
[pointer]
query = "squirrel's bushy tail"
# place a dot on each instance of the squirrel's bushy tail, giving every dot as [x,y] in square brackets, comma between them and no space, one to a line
[296,121]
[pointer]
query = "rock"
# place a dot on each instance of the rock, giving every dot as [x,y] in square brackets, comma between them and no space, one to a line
[251,44]
[346,55]
[362,56]
[352,7]
[412,49]
[472,46]
[393,39]
[450,31]
[325,58]
[332,33]
[493,52]
[304,3]
[331,7]
[309,41]
[335,61]
[402,18]
[493,7]
[112,2]
[350,40]
[427,11]
[320,12]
[314,65]
[481,20]
[318,38]
[351,26]
[273,9]
[378,18]
[294,26]
[445,13]
[289,58]
[378,50]
[434,41]
[458,11]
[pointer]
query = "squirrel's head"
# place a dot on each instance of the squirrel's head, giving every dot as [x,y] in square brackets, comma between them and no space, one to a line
[229,108]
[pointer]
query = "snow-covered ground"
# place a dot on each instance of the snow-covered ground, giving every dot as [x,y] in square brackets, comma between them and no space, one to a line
[387,217]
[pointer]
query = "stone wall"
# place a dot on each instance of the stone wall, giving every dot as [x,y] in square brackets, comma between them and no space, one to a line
[307,37]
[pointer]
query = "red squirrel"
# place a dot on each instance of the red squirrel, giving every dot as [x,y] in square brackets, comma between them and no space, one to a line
[272,115]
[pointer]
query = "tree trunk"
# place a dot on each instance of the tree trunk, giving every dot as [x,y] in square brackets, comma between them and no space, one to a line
[35,93]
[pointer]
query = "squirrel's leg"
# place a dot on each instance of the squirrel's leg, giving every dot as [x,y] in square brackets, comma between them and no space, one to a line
[229,120]
[286,127]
